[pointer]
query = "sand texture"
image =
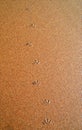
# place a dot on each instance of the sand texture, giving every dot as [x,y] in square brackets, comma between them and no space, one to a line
[40,65]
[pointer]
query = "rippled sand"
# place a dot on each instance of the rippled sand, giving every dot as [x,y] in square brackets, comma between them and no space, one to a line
[40,65]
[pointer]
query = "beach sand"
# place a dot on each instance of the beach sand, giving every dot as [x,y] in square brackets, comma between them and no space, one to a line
[40,65]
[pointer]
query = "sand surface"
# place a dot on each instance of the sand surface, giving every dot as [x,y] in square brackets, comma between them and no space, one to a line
[40,65]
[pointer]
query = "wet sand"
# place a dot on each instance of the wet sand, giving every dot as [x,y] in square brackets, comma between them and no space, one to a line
[40,65]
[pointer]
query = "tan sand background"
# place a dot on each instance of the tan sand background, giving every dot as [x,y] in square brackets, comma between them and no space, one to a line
[53,27]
